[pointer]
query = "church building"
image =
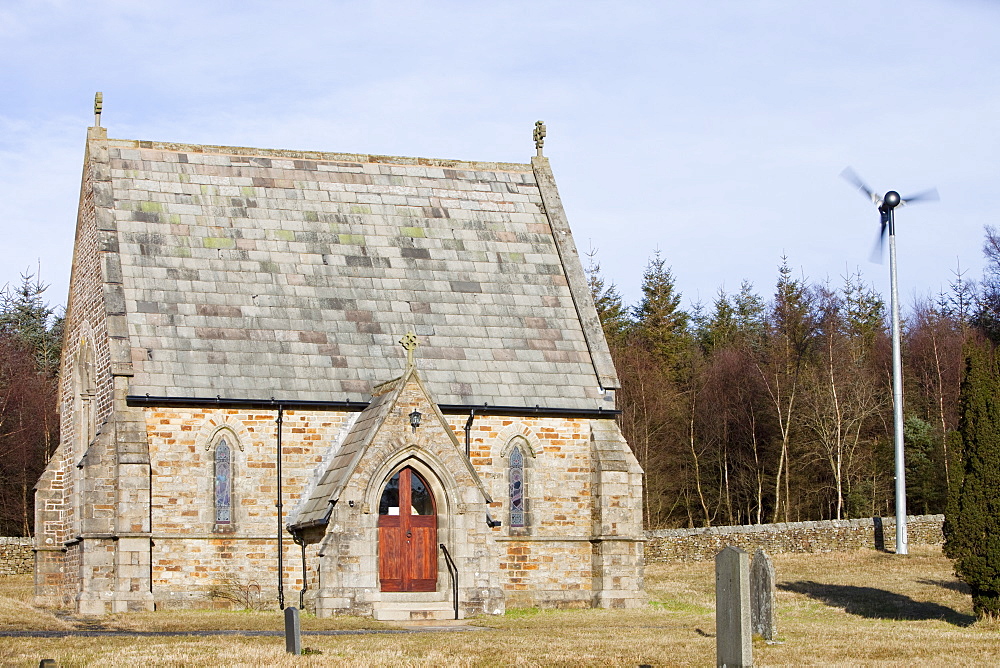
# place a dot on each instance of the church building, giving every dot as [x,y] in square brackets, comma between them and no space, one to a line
[358,384]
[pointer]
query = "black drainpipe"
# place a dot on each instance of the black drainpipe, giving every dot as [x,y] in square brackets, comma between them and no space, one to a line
[151,543]
[301,542]
[468,430]
[281,519]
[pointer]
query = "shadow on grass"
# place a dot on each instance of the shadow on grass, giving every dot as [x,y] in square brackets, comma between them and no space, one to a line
[953,585]
[876,603]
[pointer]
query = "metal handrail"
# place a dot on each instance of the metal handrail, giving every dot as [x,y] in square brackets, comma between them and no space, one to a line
[453,571]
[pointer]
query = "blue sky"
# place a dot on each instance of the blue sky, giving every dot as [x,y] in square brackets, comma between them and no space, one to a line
[712,131]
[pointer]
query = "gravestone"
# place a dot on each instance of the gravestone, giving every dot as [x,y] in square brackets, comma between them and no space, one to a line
[732,608]
[763,612]
[879,534]
[293,632]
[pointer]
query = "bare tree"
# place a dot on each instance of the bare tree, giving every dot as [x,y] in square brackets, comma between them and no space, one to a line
[934,341]
[842,393]
[28,432]
[790,337]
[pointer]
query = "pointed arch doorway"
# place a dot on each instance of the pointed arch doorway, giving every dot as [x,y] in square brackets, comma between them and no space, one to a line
[407,534]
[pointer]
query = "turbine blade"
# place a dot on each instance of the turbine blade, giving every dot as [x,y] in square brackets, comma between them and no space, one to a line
[878,249]
[852,177]
[876,256]
[923,196]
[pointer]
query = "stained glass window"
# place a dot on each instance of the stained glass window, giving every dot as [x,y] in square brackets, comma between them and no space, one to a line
[516,478]
[223,484]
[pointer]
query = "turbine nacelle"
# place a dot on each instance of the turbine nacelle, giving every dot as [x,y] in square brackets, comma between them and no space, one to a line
[890,201]
[885,204]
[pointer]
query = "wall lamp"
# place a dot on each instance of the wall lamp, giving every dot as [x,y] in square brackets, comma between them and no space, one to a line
[415,420]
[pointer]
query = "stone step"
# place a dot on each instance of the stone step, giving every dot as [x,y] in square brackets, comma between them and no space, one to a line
[438,624]
[411,596]
[416,605]
[397,611]
[414,615]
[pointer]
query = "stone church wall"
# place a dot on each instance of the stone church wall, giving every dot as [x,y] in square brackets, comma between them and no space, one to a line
[549,561]
[666,545]
[191,556]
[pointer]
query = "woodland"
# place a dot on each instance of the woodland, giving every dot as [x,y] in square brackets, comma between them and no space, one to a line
[751,409]
[30,344]
[757,409]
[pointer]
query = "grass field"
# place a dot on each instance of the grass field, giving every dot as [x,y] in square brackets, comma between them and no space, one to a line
[854,608]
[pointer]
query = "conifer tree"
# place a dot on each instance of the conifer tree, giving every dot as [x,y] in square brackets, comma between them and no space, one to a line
[924,480]
[960,303]
[751,316]
[660,322]
[864,311]
[718,329]
[972,523]
[610,309]
[987,316]
[24,314]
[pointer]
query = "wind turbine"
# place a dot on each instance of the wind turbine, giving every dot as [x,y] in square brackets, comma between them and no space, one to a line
[887,204]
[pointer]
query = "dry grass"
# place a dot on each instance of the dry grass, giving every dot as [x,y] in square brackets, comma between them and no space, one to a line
[16,612]
[227,620]
[856,608]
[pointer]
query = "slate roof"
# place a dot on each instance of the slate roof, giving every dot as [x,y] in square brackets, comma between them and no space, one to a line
[253,273]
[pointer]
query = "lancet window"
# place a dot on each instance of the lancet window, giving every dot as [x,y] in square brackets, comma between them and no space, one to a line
[516,480]
[223,485]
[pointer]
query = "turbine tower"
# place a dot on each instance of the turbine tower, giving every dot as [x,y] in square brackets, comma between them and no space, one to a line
[887,205]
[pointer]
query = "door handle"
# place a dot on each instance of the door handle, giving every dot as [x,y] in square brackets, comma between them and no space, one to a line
[409,535]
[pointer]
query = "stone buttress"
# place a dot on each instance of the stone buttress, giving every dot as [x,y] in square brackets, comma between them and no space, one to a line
[92,504]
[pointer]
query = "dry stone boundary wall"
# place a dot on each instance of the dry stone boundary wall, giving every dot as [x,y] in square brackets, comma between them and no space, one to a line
[16,556]
[666,545]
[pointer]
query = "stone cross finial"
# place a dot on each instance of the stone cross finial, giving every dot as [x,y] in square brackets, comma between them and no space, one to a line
[410,343]
[539,136]
[98,106]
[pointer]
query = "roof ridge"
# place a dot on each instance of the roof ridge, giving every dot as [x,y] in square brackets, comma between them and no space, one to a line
[321,155]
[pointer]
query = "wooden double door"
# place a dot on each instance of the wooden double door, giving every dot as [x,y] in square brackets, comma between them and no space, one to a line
[407,534]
